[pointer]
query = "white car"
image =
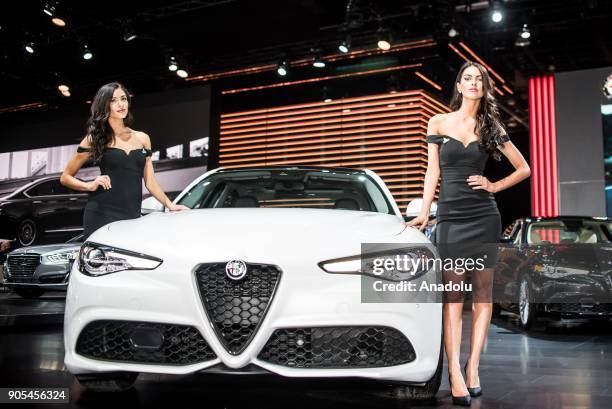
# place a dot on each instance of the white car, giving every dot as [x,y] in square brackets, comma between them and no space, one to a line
[262,275]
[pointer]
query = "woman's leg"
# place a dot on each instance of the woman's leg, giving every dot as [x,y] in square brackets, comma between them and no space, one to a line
[482,308]
[452,319]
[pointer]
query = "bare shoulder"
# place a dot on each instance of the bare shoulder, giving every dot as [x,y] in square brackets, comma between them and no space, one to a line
[86,142]
[143,138]
[435,123]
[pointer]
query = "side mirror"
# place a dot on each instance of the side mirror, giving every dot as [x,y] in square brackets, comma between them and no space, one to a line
[151,205]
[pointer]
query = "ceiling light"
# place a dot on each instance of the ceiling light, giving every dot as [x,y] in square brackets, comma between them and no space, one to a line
[172,64]
[182,73]
[63,88]
[87,54]
[496,14]
[29,47]
[49,9]
[318,62]
[345,45]
[452,33]
[525,33]
[58,21]
[384,39]
[282,68]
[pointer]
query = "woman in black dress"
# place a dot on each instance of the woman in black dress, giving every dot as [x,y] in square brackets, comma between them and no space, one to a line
[124,157]
[459,144]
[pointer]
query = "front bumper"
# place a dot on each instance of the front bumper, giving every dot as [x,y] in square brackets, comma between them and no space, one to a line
[306,298]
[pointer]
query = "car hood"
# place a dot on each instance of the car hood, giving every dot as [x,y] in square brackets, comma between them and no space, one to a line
[49,248]
[234,223]
[254,231]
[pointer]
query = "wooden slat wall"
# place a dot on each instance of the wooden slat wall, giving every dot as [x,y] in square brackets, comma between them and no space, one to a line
[384,133]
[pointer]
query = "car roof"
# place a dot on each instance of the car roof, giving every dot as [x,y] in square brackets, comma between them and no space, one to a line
[568,217]
[298,167]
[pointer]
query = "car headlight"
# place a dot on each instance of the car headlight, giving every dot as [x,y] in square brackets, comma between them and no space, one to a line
[402,264]
[63,257]
[98,259]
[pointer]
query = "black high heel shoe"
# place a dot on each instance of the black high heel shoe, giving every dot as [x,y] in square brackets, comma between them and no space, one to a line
[459,400]
[476,391]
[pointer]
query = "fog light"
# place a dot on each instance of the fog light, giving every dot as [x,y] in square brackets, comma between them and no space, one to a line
[146,338]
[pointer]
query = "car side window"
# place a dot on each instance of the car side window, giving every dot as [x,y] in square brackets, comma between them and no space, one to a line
[42,189]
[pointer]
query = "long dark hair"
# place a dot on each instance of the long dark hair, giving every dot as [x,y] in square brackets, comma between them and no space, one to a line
[98,129]
[489,127]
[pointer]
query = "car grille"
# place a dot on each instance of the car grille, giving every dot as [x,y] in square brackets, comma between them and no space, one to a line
[236,307]
[23,265]
[577,308]
[112,341]
[337,347]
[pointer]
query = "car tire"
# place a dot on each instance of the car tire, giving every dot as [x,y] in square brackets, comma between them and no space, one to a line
[431,387]
[29,292]
[527,310]
[27,232]
[111,382]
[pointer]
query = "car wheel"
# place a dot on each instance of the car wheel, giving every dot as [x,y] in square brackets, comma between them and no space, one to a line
[112,382]
[431,387]
[27,232]
[29,292]
[527,312]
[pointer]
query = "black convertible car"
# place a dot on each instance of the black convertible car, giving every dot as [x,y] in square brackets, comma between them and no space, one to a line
[39,209]
[558,266]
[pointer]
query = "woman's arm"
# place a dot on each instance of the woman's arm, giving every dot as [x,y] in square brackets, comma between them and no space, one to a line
[521,168]
[72,167]
[432,175]
[151,182]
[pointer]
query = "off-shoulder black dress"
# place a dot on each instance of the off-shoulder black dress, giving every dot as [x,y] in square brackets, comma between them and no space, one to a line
[123,200]
[466,217]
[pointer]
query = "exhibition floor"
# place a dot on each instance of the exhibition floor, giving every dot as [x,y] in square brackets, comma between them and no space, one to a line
[560,365]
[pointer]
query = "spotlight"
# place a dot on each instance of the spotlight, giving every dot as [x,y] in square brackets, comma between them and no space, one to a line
[345,45]
[49,9]
[282,68]
[525,33]
[58,21]
[128,32]
[172,65]
[452,33]
[129,36]
[384,39]
[496,14]
[64,90]
[87,54]
[318,62]
[182,73]
[29,47]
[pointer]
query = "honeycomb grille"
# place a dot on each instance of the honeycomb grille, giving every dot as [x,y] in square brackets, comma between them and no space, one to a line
[111,341]
[338,347]
[236,307]
[23,265]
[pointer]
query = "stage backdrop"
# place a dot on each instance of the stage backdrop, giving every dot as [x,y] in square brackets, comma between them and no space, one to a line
[384,133]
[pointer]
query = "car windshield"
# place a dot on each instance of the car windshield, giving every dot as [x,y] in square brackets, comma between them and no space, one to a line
[316,189]
[569,231]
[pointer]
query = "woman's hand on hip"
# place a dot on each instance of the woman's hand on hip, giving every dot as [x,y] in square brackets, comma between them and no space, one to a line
[102,180]
[419,222]
[177,207]
[479,182]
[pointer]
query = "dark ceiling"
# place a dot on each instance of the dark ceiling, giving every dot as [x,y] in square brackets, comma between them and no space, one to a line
[212,36]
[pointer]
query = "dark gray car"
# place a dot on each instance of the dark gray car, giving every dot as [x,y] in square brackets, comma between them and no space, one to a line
[31,271]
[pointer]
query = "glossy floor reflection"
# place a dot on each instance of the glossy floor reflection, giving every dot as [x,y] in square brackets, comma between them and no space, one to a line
[567,365]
